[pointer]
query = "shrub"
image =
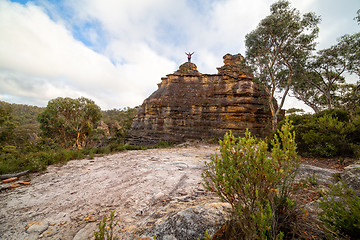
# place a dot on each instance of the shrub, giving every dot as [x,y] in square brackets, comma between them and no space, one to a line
[256,184]
[62,156]
[341,212]
[10,163]
[106,228]
[329,133]
[163,144]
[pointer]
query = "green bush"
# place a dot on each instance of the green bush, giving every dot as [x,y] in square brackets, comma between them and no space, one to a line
[341,212]
[329,133]
[163,144]
[106,228]
[36,157]
[256,183]
[11,163]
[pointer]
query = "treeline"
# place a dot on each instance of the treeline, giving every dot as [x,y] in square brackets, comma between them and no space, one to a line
[33,137]
[282,57]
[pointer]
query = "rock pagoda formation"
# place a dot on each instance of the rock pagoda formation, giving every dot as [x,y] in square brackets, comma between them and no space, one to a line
[190,105]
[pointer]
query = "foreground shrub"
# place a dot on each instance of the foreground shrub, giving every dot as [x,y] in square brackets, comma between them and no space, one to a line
[341,212]
[256,184]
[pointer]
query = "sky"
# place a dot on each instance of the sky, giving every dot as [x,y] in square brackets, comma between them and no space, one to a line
[115,52]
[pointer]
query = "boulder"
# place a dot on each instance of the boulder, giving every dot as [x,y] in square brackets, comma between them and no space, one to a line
[188,224]
[37,227]
[323,175]
[86,232]
[104,127]
[351,176]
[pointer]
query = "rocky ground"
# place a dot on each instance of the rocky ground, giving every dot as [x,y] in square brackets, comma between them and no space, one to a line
[67,202]
[144,187]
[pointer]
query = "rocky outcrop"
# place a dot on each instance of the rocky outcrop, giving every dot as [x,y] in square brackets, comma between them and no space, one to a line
[104,127]
[192,105]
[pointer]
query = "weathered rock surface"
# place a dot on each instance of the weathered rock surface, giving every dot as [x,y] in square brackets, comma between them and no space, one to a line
[192,105]
[154,192]
[74,197]
[103,127]
[188,224]
[322,175]
[86,233]
[37,227]
[351,176]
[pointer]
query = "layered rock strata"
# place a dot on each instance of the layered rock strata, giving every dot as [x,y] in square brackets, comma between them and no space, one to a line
[191,105]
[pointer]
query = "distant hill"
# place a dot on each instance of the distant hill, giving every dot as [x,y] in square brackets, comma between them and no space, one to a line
[23,114]
[24,117]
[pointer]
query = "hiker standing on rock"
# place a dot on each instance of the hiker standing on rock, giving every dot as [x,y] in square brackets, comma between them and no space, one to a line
[189,55]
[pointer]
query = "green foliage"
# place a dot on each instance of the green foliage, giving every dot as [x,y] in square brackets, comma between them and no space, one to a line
[23,114]
[20,125]
[349,98]
[22,149]
[38,157]
[311,179]
[320,81]
[256,183]
[294,111]
[69,121]
[304,91]
[328,66]
[349,50]
[119,121]
[207,236]
[7,124]
[280,43]
[357,18]
[16,161]
[106,228]
[327,134]
[163,144]
[10,163]
[341,211]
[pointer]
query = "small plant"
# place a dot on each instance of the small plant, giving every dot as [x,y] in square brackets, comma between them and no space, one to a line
[106,228]
[207,236]
[256,183]
[341,211]
[311,179]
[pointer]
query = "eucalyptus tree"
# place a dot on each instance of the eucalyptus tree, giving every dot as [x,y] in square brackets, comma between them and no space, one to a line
[311,96]
[321,82]
[349,50]
[349,98]
[281,42]
[328,67]
[69,121]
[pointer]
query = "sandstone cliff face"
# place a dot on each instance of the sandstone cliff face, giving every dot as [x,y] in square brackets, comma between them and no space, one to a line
[190,105]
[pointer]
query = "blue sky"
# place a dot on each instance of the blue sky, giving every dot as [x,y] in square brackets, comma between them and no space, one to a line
[116,51]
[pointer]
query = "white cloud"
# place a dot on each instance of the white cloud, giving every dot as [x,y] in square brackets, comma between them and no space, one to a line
[115,52]
[38,48]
